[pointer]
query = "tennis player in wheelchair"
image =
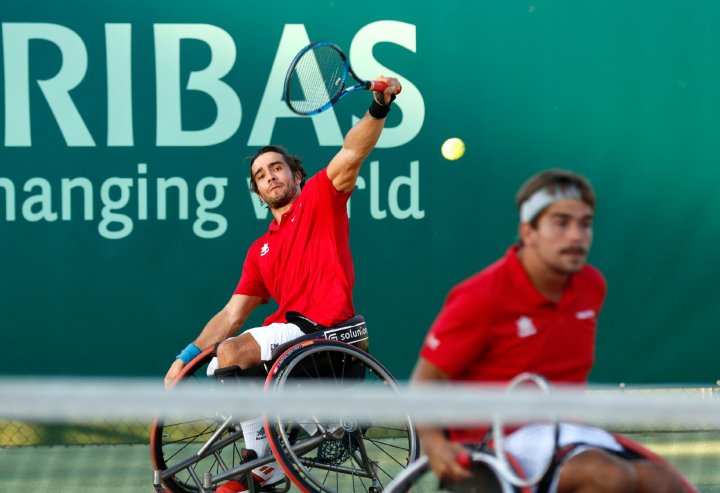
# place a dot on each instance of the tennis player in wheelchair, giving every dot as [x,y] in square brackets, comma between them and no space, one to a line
[535,310]
[303,262]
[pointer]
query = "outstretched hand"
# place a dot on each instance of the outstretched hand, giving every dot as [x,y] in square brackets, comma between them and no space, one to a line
[391,91]
[173,372]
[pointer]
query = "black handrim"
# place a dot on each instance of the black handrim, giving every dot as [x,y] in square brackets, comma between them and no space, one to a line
[165,449]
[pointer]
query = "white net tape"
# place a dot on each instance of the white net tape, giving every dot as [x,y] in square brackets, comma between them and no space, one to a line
[41,400]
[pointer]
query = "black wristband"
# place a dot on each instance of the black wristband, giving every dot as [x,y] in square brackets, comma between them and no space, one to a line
[377,110]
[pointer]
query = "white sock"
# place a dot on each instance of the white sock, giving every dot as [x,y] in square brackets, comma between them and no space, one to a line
[308,425]
[255,439]
[254,433]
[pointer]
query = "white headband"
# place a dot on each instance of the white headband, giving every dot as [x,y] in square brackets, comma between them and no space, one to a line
[543,198]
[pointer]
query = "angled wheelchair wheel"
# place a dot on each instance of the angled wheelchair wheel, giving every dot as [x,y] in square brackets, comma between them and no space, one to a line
[642,452]
[348,453]
[175,441]
[484,467]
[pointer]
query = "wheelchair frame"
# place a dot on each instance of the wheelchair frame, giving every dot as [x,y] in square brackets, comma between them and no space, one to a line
[489,464]
[208,454]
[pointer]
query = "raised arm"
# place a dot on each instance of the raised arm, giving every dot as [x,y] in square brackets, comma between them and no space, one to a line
[223,325]
[344,168]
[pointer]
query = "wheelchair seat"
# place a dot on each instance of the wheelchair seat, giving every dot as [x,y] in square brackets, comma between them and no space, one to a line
[353,331]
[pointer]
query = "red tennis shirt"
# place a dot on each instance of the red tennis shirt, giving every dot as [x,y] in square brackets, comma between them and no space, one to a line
[496,325]
[304,263]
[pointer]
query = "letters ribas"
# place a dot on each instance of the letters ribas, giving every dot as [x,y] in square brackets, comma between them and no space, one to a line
[70,81]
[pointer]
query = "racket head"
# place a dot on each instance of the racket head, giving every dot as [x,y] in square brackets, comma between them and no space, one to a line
[485,476]
[539,439]
[484,479]
[317,78]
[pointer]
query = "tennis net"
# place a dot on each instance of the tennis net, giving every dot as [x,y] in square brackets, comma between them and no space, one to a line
[93,434]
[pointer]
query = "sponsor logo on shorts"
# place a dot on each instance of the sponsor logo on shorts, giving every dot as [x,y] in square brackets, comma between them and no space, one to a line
[348,334]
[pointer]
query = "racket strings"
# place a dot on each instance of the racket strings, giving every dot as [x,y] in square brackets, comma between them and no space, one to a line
[318,78]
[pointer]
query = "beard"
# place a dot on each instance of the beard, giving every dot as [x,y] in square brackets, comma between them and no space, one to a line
[279,201]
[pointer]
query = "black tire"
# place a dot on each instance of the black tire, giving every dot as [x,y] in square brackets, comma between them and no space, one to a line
[177,438]
[418,477]
[354,454]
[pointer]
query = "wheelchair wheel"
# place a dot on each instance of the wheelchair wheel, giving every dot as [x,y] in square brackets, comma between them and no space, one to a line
[484,467]
[348,453]
[176,440]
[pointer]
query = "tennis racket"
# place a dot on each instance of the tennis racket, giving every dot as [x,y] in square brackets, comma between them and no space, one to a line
[537,442]
[485,469]
[318,78]
[494,468]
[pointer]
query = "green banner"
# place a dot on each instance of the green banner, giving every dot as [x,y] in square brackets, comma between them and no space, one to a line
[125,212]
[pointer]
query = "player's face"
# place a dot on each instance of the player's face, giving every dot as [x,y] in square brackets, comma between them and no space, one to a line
[276,183]
[563,236]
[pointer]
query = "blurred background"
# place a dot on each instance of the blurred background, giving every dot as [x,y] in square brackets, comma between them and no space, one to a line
[125,214]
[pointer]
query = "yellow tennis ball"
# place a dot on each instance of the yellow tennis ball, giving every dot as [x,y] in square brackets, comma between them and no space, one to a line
[453,149]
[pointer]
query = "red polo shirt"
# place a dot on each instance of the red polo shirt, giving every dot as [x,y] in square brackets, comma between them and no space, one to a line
[304,263]
[496,325]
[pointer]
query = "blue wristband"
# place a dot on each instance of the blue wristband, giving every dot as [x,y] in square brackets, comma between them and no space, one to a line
[189,353]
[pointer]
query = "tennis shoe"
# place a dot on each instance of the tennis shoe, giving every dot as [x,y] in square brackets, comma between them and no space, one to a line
[231,487]
[267,478]
[275,484]
[268,475]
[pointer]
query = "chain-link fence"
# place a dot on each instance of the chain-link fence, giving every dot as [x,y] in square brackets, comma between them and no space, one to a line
[100,432]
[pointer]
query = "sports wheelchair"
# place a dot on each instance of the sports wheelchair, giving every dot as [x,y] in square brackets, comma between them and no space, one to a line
[195,454]
[488,475]
[495,470]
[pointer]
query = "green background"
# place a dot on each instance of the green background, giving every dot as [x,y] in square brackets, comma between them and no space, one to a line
[627,93]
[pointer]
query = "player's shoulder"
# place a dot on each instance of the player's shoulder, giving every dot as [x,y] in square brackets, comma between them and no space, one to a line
[593,279]
[256,246]
[592,274]
[317,184]
[483,284]
[320,178]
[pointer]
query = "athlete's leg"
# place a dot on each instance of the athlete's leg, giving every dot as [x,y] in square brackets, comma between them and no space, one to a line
[247,351]
[255,345]
[655,478]
[597,471]
[243,351]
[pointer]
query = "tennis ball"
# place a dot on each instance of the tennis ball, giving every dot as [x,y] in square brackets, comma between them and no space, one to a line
[453,149]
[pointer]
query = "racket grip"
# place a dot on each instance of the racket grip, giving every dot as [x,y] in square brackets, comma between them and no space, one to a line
[378,86]
[463,459]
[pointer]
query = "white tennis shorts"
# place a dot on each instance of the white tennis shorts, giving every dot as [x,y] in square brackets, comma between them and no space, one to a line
[271,336]
[268,338]
[533,445]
